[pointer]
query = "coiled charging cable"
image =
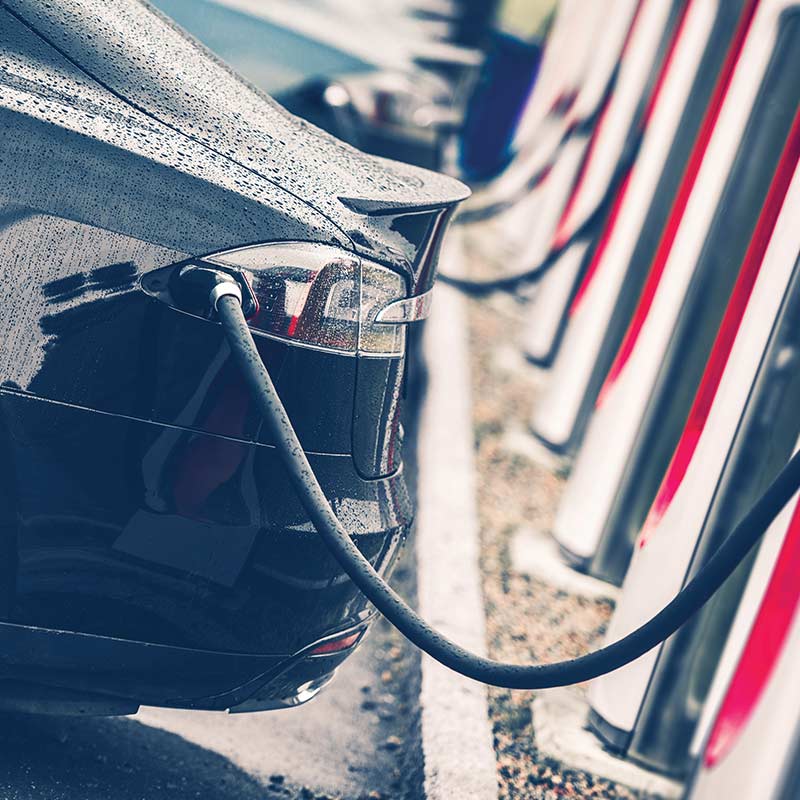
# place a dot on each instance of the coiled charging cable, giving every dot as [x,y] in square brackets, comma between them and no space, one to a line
[512,676]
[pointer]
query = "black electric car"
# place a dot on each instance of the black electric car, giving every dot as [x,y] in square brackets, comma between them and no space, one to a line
[152,550]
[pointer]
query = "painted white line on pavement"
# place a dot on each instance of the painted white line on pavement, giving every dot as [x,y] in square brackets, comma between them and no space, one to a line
[456,733]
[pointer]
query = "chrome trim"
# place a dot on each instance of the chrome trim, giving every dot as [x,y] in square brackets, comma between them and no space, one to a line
[410,309]
[305,692]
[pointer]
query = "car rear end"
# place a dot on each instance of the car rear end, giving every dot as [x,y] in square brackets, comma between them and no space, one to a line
[155,552]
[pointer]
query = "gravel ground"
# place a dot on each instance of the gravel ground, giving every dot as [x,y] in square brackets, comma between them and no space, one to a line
[527,620]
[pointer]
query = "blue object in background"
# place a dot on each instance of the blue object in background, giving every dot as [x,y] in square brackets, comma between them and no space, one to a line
[508,76]
[513,57]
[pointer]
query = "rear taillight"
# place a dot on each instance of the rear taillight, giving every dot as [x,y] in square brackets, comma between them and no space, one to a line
[320,296]
[336,645]
[311,295]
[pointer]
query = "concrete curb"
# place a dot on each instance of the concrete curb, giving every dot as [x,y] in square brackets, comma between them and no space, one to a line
[456,734]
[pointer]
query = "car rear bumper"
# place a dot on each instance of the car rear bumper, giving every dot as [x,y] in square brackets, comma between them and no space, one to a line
[172,567]
[51,671]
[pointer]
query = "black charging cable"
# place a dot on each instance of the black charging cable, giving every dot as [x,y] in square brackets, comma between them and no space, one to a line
[506,283]
[512,676]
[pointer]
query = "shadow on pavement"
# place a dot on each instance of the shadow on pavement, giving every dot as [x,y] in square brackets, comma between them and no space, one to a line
[46,758]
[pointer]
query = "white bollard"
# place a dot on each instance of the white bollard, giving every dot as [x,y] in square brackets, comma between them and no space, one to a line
[753,747]
[603,304]
[602,148]
[736,380]
[639,415]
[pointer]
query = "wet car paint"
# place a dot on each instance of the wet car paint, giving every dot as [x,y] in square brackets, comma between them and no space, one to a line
[314,78]
[142,501]
[139,56]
